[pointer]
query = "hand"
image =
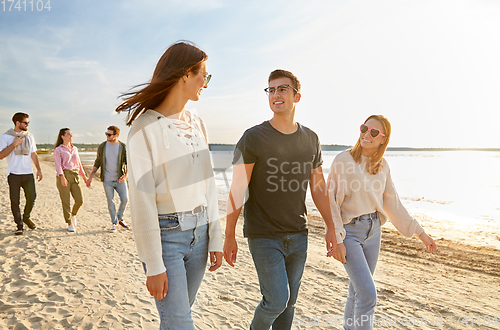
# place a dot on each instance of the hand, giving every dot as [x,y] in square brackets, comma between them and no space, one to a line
[39,175]
[430,245]
[17,141]
[230,250]
[64,182]
[215,261]
[157,285]
[89,181]
[85,180]
[331,242]
[340,253]
[122,178]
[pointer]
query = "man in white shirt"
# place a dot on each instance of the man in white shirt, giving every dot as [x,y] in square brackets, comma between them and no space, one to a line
[18,146]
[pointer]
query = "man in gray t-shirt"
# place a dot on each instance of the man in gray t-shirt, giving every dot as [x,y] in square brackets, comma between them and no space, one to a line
[112,159]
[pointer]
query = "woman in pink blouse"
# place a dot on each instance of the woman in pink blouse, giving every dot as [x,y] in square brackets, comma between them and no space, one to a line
[68,167]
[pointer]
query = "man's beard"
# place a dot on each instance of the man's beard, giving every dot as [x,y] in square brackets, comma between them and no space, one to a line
[24,128]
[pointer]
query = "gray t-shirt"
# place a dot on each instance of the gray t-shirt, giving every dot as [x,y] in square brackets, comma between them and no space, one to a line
[111,165]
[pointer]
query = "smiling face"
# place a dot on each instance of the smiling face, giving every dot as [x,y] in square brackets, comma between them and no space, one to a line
[67,137]
[368,143]
[195,82]
[283,102]
[111,136]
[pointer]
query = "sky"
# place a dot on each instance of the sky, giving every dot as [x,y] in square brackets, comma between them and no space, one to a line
[431,67]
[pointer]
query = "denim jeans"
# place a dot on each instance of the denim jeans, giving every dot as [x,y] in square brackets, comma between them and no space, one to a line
[185,257]
[279,263]
[121,189]
[16,182]
[362,243]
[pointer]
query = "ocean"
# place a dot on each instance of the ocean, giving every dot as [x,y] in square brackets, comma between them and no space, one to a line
[453,194]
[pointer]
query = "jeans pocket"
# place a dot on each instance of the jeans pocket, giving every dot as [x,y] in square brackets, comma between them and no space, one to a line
[168,221]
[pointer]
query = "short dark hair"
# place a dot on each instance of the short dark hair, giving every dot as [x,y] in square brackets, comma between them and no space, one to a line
[115,130]
[285,74]
[19,117]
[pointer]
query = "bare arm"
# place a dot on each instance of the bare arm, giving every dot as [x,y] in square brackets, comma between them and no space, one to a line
[241,178]
[34,158]
[91,175]
[5,152]
[319,195]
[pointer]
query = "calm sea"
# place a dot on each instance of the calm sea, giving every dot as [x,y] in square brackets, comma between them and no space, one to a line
[453,194]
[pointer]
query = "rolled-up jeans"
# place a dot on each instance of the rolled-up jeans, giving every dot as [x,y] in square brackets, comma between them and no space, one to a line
[121,189]
[362,243]
[280,264]
[185,258]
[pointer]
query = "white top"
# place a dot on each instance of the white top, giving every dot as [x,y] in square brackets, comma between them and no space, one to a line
[354,192]
[170,171]
[17,164]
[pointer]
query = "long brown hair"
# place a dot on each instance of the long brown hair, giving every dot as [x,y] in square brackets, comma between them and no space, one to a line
[177,61]
[59,140]
[375,164]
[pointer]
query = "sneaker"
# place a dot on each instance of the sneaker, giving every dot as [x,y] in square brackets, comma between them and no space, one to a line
[30,224]
[123,224]
[19,231]
[71,228]
[113,229]
[73,220]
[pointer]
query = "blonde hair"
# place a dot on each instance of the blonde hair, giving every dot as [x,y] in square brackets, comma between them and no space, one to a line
[375,163]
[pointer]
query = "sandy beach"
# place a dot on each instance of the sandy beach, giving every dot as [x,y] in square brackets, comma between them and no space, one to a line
[92,279]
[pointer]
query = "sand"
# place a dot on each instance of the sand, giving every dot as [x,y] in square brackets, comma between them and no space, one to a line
[92,279]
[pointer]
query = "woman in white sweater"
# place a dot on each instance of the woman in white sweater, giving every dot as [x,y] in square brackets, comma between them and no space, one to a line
[362,198]
[173,197]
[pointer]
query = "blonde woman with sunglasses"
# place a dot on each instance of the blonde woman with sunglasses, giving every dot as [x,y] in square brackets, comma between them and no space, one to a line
[362,199]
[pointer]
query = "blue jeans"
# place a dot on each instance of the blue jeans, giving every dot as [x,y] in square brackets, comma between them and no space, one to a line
[185,257]
[279,263]
[121,189]
[362,243]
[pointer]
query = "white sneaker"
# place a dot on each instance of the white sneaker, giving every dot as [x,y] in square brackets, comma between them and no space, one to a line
[73,220]
[113,229]
[71,228]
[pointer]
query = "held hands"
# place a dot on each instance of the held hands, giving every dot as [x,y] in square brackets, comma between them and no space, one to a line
[230,250]
[215,261]
[331,242]
[157,285]
[89,181]
[430,245]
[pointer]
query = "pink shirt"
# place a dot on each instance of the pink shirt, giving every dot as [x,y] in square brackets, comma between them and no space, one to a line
[67,159]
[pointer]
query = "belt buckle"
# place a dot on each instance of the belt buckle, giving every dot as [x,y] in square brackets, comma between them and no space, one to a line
[197,210]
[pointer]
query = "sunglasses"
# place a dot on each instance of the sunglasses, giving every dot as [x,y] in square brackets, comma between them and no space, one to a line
[107,134]
[374,132]
[281,89]
[207,79]
[25,122]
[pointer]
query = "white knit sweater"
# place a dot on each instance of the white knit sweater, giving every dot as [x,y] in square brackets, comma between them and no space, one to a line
[169,171]
[354,192]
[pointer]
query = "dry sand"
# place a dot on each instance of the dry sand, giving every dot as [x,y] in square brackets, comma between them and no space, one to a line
[92,279]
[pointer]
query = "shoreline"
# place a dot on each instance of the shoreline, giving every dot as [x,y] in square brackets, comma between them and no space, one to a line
[53,279]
